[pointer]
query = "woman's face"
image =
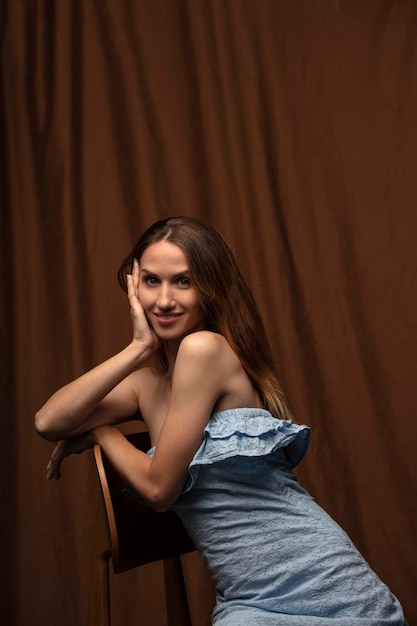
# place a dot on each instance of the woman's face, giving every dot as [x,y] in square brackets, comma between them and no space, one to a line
[169,299]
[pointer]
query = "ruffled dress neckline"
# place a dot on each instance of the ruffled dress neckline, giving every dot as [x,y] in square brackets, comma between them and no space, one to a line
[246,432]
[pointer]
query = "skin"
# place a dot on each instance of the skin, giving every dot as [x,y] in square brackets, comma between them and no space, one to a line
[204,375]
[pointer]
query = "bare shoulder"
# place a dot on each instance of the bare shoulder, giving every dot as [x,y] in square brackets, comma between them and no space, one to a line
[204,344]
[210,354]
[207,362]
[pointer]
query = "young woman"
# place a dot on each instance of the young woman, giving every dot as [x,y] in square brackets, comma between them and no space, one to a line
[200,373]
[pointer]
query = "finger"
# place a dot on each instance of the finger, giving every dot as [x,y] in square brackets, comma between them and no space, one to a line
[135,276]
[131,290]
[56,457]
[53,471]
[49,471]
[135,305]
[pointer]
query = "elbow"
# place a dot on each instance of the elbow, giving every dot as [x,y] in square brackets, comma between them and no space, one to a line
[160,500]
[160,507]
[44,426]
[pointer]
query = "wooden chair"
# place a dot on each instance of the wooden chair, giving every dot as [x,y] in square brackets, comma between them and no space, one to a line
[132,534]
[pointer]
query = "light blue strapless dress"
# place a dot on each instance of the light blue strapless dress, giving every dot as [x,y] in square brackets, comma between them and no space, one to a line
[275,556]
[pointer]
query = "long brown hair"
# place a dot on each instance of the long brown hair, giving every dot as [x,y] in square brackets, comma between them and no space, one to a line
[225,298]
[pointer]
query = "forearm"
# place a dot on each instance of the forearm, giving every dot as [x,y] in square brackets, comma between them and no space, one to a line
[67,410]
[130,463]
[94,420]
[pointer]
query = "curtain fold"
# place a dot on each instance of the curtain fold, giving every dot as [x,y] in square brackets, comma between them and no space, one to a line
[290,127]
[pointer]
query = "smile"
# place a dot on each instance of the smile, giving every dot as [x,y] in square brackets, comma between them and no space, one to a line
[167,319]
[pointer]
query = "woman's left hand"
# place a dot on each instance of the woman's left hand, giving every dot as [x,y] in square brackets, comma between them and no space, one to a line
[74,445]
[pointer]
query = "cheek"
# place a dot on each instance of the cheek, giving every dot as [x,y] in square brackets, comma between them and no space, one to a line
[197,310]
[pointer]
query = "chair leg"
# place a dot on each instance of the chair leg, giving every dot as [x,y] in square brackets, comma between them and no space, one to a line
[178,613]
[99,600]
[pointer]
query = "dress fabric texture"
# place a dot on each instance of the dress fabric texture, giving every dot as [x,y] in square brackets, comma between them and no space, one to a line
[275,556]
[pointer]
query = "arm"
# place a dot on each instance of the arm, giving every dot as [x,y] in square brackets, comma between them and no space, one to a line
[95,398]
[198,381]
[107,393]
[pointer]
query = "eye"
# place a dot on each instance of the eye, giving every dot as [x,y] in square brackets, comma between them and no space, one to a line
[150,280]
[184,281]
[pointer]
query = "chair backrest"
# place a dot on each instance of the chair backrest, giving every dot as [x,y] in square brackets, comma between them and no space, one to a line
[133,534]
[138,534]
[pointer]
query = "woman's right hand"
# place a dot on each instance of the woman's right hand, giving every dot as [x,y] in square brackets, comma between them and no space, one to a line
[142,331]
[73,445]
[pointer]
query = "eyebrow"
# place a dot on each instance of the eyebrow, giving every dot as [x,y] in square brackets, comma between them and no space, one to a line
[145,271]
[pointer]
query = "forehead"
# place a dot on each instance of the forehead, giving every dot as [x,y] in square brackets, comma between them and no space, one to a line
[164,254]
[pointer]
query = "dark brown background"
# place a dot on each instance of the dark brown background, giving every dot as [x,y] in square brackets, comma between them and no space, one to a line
[289,125]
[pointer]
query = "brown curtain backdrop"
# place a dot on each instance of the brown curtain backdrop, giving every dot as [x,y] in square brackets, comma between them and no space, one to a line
[290,125]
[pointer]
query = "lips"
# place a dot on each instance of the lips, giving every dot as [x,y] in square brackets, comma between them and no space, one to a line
[166,319]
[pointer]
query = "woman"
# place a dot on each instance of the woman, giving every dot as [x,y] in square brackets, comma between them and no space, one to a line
[200,372]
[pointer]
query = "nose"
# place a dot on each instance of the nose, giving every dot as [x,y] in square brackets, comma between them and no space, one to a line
[165,299]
